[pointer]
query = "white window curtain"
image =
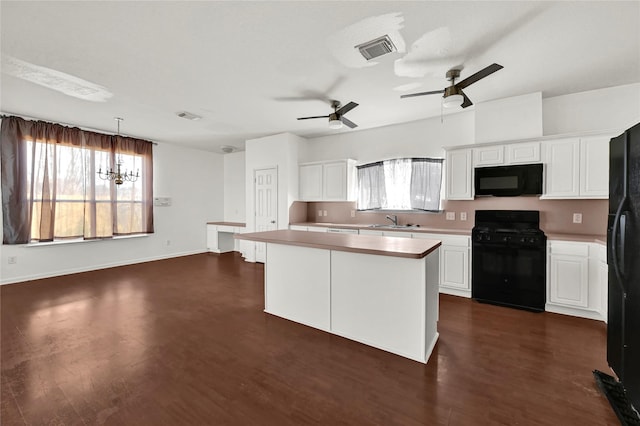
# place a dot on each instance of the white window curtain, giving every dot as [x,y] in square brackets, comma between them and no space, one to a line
[397,179]
[400,184]
[426,181]
[371,186]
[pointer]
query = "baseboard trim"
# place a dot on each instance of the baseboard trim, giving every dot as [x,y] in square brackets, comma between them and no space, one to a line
[24,278]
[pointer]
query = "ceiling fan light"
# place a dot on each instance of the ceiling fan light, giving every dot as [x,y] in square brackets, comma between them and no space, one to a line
[452,101]
[335,123]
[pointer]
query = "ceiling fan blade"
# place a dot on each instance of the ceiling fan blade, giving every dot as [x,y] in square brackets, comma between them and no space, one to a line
[348,122]
[422,94]
[479,75]
[466,102]
[317,116]
[345,109]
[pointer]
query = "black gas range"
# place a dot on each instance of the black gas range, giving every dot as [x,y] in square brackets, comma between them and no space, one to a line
[509,259]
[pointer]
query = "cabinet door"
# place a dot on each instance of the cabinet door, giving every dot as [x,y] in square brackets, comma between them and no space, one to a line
[563,172]
[569,280]
[488,156]
[335,181]
[459,184]
[523,153]
[454,267]
[594,167]
[310,180]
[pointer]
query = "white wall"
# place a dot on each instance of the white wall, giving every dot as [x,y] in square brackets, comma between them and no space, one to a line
[423,138]
[234,187]
[612,108]
[517,117]
[193,180]
[278,151]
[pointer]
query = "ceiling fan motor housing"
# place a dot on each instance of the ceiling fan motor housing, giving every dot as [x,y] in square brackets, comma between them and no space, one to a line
[452,90]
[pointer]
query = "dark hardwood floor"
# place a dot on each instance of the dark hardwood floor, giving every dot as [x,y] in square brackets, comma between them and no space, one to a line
[185,342]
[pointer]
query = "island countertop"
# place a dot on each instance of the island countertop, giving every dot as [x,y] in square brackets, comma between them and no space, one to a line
[365,244]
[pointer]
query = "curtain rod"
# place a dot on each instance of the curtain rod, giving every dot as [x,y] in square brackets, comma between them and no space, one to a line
[90,129]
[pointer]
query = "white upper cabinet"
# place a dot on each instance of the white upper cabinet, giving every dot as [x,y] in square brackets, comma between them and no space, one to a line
[563,168]
[488,156]
[594,167]
[505,155]
[523,153]
[310,176]
[459,178]
[577,167]
[328,181]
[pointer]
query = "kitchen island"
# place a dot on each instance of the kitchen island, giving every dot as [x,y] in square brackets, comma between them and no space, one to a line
[380,291]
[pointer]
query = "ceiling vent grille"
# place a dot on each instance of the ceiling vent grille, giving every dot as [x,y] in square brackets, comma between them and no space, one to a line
[375,48]
[188,115]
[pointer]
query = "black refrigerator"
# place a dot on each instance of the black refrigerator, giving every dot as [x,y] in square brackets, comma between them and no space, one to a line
[623,258]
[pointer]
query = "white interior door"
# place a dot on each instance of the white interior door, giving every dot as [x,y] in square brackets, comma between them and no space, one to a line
[266,205]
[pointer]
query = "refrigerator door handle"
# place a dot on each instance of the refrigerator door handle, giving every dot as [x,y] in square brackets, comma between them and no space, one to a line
[614,244]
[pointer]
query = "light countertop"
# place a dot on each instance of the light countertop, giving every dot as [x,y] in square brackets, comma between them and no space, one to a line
[366,244]
[423,229]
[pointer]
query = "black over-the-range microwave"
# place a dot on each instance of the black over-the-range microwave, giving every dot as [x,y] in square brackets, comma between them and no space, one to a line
[509,181]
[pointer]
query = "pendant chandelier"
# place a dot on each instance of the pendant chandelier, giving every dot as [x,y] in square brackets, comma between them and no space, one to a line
[117,175]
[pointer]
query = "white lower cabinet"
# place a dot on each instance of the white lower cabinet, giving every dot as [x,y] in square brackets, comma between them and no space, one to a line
[455,255]
[575,279]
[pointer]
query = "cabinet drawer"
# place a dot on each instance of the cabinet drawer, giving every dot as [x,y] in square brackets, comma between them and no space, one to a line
[226,228]
[342,231]
[455,240]
[570,249]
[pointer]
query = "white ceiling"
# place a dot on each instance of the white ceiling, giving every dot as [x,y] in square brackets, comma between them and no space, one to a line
[250,68]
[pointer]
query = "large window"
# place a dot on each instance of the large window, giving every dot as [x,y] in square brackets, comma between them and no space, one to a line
[400,184]
[51,189]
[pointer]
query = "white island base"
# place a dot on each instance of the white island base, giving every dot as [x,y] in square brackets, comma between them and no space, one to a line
[383,301]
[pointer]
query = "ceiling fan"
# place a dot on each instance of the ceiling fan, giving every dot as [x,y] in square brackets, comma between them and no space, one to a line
[336,118]
[453,95]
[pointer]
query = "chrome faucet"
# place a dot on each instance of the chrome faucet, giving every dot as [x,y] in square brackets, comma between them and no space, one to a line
[393,218]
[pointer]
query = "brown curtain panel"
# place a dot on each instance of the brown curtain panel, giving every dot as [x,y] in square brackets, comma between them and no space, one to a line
[51,189]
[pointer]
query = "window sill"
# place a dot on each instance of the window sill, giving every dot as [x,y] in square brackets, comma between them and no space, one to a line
[80,240]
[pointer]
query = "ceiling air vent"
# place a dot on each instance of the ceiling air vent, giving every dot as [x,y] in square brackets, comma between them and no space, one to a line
[188,115]
[378,47]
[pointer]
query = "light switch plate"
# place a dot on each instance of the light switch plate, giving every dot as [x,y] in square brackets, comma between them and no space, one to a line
[451,216]
[463,215]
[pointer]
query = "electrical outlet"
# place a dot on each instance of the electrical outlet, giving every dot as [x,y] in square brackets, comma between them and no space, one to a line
[12,260]
[463,215]
[325,213]
[319,213]
[353,213]
[451,216]
[577,218]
